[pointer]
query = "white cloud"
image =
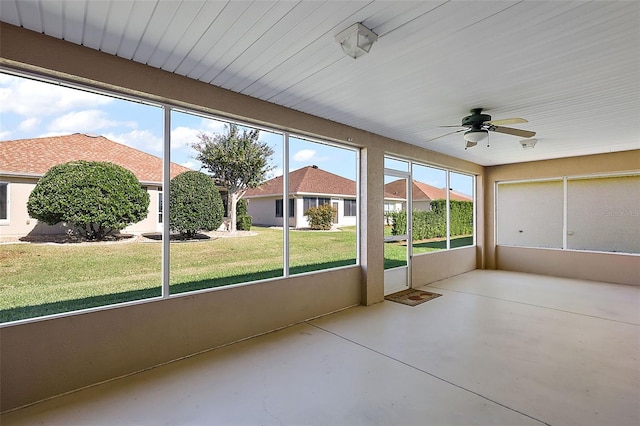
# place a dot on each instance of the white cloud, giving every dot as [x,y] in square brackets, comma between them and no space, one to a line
[213,126]
[274,173]
[33,98]
[143,140]
[304,155]
[87,121]
[29,124]
[184,137]
[192,164]
[4,136]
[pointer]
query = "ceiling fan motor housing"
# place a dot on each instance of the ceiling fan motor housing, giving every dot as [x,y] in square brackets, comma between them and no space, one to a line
[476,118]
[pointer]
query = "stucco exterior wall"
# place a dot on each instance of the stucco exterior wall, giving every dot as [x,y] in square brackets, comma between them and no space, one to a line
[263,212]
[20,224]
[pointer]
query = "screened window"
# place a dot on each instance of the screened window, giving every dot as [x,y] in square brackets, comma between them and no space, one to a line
[139,270]
[350,208]
[317,168]
[292,206]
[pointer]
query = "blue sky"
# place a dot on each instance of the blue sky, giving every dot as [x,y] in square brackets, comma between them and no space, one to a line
[32,109]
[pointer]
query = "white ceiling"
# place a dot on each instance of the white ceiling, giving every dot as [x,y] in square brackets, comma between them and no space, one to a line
[571,68]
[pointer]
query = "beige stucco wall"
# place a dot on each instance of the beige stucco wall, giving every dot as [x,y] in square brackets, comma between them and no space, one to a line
[19,224]
[46,357]
[263,212]
[612,267]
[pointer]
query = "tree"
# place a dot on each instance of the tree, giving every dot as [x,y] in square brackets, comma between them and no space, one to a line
[194,204]
[242,216]
[93,197]
[236,160]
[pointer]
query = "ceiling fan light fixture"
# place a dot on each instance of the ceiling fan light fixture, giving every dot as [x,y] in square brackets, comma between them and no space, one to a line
[356,40]
[475,135]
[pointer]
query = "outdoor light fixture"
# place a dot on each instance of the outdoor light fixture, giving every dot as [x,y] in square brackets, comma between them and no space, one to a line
[356,40]
[528,143]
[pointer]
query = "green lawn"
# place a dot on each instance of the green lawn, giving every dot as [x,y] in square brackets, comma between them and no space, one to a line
[395,252]
[42,279]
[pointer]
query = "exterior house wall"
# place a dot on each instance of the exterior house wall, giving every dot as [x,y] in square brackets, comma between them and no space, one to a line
[421,205]
[20,224]
[263,212]
[150,223]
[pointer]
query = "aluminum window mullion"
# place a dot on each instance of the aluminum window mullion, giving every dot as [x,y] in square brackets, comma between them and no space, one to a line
[448,208]
[166,178]
[285,205]
[565,213]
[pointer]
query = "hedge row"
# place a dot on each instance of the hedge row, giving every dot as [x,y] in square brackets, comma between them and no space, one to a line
[433,223]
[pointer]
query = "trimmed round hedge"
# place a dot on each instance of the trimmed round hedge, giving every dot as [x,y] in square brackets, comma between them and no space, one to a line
[94,197]
[195,204]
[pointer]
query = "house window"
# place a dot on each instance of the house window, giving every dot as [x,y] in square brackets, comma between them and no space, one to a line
[159,207]
[309,202]
[292,206]
[4,202]
[350,208]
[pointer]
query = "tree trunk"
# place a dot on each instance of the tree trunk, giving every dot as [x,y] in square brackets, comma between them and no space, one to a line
[233,216]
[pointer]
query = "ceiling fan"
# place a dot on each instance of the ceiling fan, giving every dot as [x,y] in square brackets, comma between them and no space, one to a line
[477,126]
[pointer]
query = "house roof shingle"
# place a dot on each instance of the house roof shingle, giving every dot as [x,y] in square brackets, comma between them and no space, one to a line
[36,156]
[307,180]
[312,180]
[421,192]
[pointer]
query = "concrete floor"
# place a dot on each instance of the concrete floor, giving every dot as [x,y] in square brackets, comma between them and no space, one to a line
[499,348]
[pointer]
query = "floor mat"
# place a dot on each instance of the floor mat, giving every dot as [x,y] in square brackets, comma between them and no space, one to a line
[412,297]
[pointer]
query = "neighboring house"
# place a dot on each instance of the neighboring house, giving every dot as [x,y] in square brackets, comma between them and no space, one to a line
[308,187]
[422,195]
[23,162]
[311,187]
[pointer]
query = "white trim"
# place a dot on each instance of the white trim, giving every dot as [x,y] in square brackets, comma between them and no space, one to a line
[166,178]
[285,206]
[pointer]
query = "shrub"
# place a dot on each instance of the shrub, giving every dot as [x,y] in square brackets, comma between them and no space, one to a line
[321,217]
[194,204]
[93,197]
[433,223]
[243,220]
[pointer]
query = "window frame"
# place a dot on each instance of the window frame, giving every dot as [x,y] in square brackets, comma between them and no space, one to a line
[350,207]
[7,203]
[292,207]
[168,108]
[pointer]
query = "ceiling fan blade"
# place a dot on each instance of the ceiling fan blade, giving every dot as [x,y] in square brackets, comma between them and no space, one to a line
[507,121]
[514,132]
[446,134]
